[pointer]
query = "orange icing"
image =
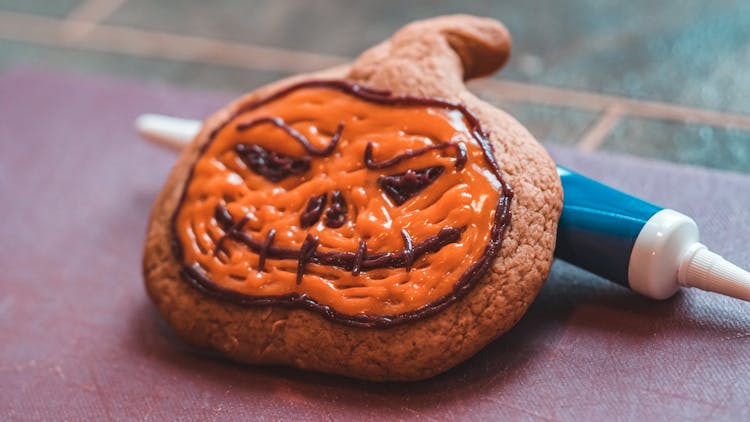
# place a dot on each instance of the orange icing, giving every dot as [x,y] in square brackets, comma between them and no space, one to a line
[465,198]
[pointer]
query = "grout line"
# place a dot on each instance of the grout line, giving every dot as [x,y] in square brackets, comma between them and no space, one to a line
[597,133]
[140,43]
[30,28]
[148,43]
[542,94]
[523,92]
[84,18]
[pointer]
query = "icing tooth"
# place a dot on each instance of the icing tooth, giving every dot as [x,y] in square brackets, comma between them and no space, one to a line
[313,211]
[336,214]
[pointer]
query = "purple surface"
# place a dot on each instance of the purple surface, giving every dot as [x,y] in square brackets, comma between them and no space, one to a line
[80,340]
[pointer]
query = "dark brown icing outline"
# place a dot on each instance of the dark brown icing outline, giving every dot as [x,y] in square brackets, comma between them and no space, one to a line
[197,278]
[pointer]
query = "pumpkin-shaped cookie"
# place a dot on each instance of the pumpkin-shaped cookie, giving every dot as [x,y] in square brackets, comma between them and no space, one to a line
[375,220]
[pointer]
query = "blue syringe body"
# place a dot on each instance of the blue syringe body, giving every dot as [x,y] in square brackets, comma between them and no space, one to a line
[599,226]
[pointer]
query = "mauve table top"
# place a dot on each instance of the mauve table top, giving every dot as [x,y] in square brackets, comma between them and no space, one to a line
[80,339]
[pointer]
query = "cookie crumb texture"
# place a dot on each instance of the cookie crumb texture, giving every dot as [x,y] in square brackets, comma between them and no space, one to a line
[317,225]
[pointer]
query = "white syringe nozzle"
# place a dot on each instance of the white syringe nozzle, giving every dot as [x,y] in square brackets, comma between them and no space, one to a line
[667,254]
[706,270]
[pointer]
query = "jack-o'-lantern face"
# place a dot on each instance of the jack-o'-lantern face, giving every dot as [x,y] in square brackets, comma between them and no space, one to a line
[370,208]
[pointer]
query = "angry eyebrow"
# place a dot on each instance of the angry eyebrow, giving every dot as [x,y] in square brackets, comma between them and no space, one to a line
[300,138]
[460,149]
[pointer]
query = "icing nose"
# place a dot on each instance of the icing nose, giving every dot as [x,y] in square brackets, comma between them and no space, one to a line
[335,213]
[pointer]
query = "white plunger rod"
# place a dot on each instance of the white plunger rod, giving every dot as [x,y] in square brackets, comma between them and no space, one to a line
[171,132]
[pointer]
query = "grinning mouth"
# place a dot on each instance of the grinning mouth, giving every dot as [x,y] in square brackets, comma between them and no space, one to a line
[355,262]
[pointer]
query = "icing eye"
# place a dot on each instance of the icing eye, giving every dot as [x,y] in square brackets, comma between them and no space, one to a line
[271,165]
[402,186]
[336,213]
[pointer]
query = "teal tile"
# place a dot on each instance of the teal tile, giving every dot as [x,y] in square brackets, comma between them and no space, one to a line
[708,146]
[689,52]
[197,75]
[58,8]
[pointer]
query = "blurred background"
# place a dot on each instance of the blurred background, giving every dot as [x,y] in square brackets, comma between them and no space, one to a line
[664,80]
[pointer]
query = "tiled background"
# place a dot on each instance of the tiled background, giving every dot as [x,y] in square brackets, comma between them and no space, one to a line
[660,79]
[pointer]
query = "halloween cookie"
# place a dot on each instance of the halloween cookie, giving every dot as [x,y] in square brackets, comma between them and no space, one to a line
[375,220]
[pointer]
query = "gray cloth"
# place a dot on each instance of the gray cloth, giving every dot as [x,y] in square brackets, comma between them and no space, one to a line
[80,339]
